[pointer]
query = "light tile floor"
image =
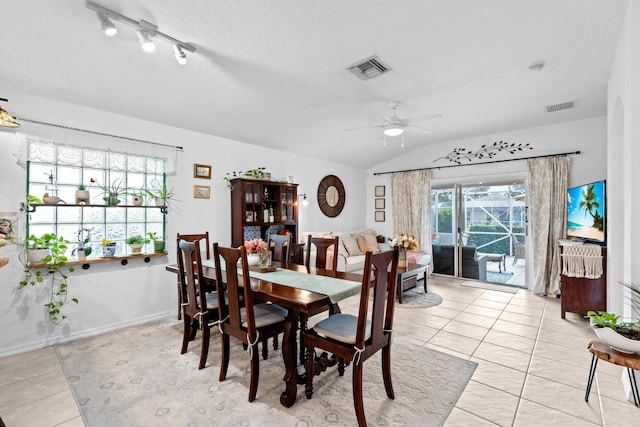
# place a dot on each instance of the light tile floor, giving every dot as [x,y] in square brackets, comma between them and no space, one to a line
[532,365]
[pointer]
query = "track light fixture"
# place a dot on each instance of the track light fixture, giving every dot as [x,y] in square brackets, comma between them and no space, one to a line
[145,41]
[146,31]
[5,118]
[106,24]
[180,56]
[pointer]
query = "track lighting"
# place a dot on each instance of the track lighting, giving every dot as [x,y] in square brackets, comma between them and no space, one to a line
[5,118]
[146,31]
[145,41]
[180,56]
[106,24]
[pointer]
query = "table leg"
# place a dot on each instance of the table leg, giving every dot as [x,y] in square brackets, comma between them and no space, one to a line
[634,387]
[290,357]
[425,280]
[592,373]
[400,288]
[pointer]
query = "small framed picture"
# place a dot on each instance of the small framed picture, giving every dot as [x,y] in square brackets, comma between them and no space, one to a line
[201,192]
[379,203]
[201,171]
[379,216]
[379,190]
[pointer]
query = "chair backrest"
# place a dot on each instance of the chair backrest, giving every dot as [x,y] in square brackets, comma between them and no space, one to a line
[381,280]
[202,237]
[281,245]
[322,246]
[189,269]
[236,287]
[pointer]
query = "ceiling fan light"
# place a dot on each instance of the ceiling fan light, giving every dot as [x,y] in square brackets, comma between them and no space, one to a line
[393,130]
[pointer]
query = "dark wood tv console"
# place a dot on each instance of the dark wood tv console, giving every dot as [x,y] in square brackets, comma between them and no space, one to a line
[579,294]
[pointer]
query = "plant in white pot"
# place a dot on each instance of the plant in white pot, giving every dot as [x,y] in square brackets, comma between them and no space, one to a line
[53,263]
[623,336]
[158,243]
[136,242]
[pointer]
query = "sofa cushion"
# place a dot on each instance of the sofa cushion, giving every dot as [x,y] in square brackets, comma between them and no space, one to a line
[350,244]
[368,242]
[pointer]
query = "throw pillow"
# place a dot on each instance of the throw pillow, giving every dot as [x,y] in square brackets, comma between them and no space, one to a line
[350,244]
[368,242]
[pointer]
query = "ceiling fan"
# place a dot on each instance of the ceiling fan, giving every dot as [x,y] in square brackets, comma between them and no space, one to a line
[395,126]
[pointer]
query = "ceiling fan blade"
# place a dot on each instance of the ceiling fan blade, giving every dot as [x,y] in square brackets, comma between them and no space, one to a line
[363,127]
[419,128]
[423,117]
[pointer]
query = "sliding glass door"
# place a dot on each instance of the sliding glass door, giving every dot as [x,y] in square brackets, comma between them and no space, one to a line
[478,232]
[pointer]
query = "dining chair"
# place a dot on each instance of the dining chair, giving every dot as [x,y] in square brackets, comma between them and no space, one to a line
[281,245]
[518,248]
[322,246]
[199,306]
[202,238]
[248,324]
[356,338]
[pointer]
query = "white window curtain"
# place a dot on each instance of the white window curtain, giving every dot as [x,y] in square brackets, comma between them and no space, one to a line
[411,204]
[548,182]
[37,142]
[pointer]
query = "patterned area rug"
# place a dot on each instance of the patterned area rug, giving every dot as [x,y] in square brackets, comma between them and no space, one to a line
[137,377]
[417,298]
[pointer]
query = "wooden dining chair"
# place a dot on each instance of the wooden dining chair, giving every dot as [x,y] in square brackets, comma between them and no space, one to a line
[356,338]
[250,323]
[199,306]
[281,245]
[202,239]
[322,246]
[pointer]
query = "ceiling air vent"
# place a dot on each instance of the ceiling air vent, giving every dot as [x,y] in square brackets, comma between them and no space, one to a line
[369,68]
[561,106]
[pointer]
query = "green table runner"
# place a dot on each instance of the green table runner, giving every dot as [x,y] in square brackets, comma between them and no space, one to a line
[335,289]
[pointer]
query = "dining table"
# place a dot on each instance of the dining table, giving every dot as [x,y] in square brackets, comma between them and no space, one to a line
[302,291]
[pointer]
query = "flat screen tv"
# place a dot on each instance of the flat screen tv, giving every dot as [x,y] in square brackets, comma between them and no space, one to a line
[586,213]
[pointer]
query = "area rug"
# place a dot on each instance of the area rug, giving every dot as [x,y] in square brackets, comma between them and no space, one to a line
[137,377]
[492,287]
[496,277]
[417,298]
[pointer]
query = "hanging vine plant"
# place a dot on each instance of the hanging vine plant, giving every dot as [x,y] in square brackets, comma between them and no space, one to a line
[54,261]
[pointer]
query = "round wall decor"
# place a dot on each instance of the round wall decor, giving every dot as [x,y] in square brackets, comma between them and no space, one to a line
[331,196]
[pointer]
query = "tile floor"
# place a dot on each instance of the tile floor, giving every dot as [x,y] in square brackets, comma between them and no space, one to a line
[532,365]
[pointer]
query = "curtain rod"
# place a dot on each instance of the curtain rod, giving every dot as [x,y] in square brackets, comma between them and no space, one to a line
[482,163]
[22,119]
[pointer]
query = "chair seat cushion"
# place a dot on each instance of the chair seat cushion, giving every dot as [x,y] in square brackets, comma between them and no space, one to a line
[212,300]
[341,327]
[265,314]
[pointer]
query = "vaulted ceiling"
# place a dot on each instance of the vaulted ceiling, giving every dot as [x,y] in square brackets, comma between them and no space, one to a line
[273,73]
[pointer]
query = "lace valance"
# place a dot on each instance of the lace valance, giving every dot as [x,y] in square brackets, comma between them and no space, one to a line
[46,143]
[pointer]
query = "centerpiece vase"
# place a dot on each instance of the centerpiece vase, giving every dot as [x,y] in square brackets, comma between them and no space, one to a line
[402,258]
[253,259]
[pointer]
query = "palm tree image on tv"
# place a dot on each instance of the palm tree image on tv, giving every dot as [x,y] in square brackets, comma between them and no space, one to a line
[585,209]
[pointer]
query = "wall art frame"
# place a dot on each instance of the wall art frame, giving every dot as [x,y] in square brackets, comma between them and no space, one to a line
[201,171]
[201,192]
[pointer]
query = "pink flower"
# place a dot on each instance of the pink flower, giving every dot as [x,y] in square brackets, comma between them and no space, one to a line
[255,245]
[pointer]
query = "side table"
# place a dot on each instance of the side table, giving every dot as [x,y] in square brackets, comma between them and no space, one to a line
[408,278]
[602,350]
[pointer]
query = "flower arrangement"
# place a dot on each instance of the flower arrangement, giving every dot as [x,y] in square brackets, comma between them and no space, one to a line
[406,242]
[255,245]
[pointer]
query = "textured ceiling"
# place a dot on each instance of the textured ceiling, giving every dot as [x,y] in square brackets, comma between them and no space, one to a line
[273,73]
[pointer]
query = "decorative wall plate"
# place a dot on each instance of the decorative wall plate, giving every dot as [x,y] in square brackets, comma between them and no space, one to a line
[331,196]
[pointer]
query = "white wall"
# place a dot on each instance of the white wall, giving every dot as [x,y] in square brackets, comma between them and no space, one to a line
[588,136]
[623,203]
[110,294]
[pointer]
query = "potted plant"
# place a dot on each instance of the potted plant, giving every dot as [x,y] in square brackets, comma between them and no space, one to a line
[158,243]
[82,195]
[108,248]
[83,250]
[137,197]
[136,242]
[112,191]
[37,248]
[54,261]
[623,336]
[256,173]
[160,193]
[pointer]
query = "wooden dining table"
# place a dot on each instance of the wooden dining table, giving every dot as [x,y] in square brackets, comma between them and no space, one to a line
[299,303]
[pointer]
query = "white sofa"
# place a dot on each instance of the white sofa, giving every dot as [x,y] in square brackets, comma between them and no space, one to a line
[350,257]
